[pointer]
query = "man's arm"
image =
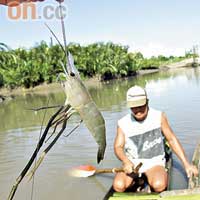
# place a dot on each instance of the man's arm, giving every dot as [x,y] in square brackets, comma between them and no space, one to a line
[17,2]
[119,151]
[14,2]
[176,146]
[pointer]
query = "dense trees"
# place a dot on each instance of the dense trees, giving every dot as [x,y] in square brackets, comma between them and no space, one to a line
[42,63]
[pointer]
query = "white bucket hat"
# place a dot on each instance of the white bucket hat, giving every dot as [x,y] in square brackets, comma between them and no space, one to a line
[136,96]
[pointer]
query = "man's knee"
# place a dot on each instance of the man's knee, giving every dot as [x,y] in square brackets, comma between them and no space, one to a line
[157,178]
[159,185]
[119,186]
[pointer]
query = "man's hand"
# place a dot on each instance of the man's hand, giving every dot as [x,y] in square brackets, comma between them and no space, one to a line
[191,170]
[17,2]
[128,167]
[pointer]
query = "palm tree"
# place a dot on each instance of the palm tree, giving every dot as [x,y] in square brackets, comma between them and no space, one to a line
[4,47]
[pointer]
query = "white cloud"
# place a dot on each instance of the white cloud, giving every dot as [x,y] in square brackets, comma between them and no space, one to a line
[155,49]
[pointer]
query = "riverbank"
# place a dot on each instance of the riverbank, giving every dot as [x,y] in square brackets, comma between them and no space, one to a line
[185,63]
[8,94]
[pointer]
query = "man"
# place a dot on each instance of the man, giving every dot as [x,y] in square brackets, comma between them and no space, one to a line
[140,139]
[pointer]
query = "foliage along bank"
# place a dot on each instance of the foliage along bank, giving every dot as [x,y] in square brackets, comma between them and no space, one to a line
[42,63]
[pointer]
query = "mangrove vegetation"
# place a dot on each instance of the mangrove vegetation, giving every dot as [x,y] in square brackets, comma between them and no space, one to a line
[42,63]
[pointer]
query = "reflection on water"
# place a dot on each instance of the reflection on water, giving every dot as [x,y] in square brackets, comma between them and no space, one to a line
[175,92]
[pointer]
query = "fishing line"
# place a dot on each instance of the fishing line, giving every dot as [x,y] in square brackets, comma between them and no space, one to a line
[59,45]
[65,50]
[69,69]
[63,27]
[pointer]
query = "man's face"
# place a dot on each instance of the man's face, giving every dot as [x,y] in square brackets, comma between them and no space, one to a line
[140,112]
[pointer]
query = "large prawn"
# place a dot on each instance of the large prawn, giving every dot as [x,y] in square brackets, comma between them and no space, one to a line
[78,100]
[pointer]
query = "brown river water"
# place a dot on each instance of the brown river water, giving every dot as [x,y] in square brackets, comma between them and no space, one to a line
[176,92]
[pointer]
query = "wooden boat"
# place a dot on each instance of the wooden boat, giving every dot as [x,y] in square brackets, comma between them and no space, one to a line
[192,193]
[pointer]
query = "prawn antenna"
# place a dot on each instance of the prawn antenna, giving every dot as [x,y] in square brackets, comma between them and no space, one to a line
[58,43]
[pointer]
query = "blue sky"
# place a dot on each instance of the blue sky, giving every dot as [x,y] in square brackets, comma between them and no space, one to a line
[152,27]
